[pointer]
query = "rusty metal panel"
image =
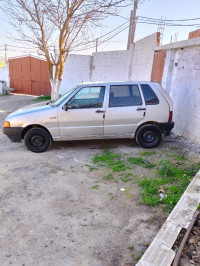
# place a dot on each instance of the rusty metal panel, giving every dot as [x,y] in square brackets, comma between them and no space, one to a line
[17,85]
[29,75]
[25,68]
[35,69]
[15,66]
[44,71]
[26,86]
[40,88]
[39,70]
[158,66]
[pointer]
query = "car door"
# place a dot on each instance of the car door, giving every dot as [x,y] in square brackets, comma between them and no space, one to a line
[125,108]
[83,115]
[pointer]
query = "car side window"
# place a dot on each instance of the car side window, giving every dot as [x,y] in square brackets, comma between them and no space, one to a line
[149,95]
[88,97]
[124,95]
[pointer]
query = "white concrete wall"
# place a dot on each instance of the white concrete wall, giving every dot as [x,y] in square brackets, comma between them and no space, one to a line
[143,56]
[134,64]
[182,80]
[111,66]
[2,73]
[77,70]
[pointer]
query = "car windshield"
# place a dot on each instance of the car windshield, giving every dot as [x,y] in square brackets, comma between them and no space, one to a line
[62,98]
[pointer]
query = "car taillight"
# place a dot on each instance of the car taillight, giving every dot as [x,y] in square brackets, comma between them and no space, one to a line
[170,116]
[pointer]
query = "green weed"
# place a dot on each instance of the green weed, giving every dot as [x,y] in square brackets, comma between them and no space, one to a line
[136,160]
[126,178]
[95,187]
[108,177]
[131,248]
[182,155]
[111,160]
[147,153]
[149,165]
[43,98]
[173,181]
[174,148]
[139,256]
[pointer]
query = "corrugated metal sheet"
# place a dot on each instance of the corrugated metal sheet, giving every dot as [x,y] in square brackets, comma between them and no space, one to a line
[29,75]
[158,66]
[40,88]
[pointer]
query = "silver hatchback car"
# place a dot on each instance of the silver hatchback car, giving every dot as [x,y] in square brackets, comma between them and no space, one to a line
[141,110]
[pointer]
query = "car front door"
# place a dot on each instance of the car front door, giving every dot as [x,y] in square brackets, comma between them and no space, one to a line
[125,109]
[83,115]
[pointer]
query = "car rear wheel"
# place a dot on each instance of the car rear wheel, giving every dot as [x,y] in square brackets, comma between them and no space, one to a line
[37,140]
[148,136]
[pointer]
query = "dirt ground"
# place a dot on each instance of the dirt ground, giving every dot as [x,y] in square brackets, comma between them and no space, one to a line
[50,213]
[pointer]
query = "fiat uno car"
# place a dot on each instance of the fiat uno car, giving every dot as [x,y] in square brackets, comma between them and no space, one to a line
[140,110]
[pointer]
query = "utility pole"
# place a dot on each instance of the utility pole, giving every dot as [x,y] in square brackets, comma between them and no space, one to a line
[132,25]
[6,54]
[97,41]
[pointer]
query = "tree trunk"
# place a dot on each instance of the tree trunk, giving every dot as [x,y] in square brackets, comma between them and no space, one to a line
[55,85]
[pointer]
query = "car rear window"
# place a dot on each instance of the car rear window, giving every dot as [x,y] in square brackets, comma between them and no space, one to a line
[149,95]
[124,95]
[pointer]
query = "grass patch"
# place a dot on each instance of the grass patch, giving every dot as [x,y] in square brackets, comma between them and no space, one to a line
[108,177]
[172,180]
[181,155]
[126,178]
[42,98]
[167,180]
[136,160]
[95,187]
[131,248]
[110,160]
[147,153]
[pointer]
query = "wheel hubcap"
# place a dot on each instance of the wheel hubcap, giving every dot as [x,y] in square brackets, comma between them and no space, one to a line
[149,136]
[37,140]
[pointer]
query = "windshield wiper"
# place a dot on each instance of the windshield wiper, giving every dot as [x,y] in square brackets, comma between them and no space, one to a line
[52,101]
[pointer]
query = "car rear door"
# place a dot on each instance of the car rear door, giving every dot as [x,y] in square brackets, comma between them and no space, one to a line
[125,108]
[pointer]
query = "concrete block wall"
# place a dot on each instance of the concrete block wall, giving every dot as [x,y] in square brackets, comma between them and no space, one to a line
[2,73]
[77,70]
[134,64]
[111,66]
[143,56]
[182,81]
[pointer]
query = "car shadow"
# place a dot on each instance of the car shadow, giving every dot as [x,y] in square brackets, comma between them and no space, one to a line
[93,144]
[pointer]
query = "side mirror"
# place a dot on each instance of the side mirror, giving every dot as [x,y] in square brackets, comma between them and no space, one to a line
[65,108]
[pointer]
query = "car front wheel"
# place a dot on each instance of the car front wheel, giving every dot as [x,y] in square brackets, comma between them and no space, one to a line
[148,136]
[37,140]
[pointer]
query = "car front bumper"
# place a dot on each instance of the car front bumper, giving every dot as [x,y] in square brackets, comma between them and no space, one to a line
[13,133]
[166,128]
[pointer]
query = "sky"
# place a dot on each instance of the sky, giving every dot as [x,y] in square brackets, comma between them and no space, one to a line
[168,9]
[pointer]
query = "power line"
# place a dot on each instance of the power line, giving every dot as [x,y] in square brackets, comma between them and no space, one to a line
[187,19]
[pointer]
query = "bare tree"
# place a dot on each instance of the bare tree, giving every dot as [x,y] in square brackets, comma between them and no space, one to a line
[56,27]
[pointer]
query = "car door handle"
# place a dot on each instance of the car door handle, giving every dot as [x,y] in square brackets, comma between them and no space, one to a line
[141,109]
[100,111]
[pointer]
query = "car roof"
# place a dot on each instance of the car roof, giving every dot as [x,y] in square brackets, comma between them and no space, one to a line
[101,83]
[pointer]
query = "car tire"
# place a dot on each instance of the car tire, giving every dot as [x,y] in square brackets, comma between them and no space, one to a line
[37,140]
[148,136]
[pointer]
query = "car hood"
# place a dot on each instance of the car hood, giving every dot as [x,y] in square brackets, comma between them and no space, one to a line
[37,107]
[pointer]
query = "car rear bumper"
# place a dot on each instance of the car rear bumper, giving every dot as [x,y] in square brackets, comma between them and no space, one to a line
[13,133]
[166,128]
